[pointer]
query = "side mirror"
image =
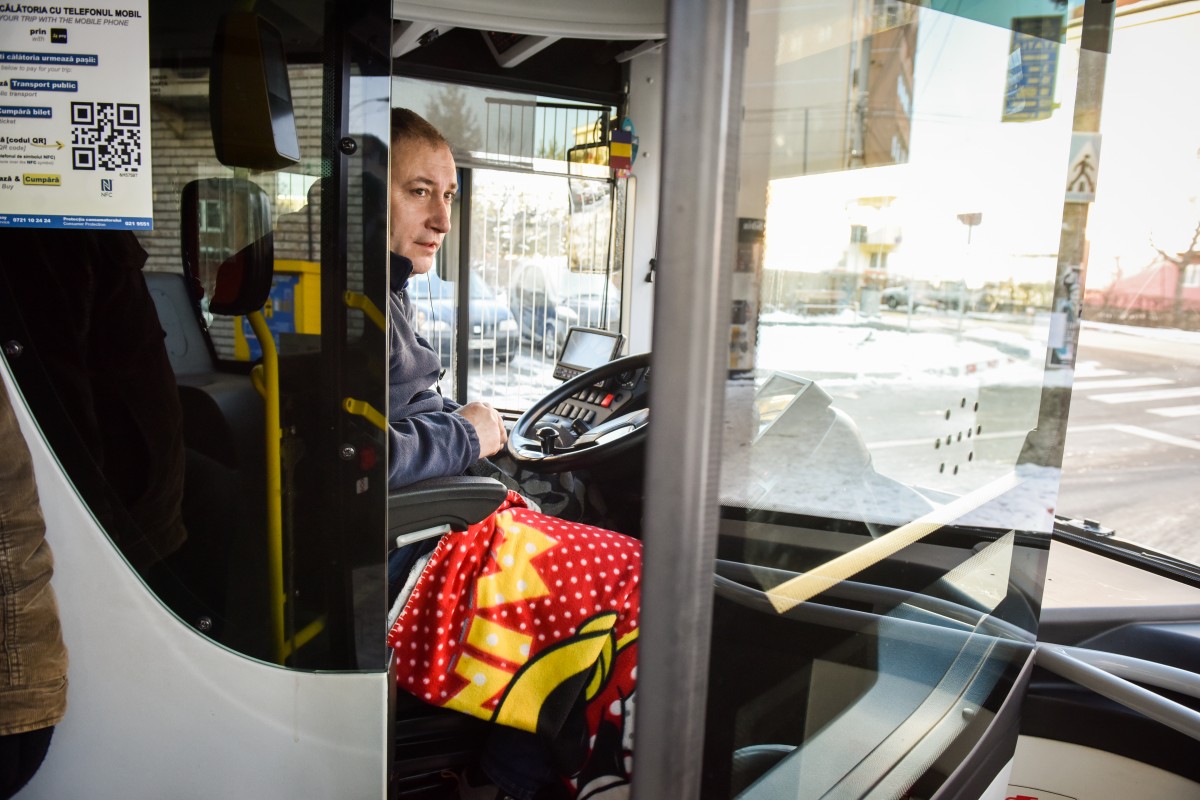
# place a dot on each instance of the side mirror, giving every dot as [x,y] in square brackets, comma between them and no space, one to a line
[249,96]
[227,244]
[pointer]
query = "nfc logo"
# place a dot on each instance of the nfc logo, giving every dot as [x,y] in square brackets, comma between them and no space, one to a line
[106,187]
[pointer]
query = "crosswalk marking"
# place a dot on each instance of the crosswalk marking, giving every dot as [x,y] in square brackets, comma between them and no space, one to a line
[1144,397]
[1135,430]
[1158,436]
[1176,411]
[1092,371]
[1123,383]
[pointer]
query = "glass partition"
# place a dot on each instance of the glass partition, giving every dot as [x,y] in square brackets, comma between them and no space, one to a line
[250,430]
[887,490]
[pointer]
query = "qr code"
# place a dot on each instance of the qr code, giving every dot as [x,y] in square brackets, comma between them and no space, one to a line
[106,136]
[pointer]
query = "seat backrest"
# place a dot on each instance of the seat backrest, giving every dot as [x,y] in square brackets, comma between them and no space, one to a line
[187,346]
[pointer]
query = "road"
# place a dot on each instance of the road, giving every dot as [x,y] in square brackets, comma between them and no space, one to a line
[1132,458]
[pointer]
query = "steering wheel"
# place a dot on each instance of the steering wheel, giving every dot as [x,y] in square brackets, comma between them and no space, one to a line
[590,418]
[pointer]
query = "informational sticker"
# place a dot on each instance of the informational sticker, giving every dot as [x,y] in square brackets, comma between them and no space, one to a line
[1032,68]
[75,115]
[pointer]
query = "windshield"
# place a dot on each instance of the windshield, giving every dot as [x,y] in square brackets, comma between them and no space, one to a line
[1132,452]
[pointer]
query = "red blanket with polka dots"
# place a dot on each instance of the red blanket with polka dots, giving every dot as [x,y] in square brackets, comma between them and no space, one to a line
[526,620]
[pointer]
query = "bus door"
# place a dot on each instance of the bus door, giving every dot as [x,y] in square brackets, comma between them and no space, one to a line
[254,429]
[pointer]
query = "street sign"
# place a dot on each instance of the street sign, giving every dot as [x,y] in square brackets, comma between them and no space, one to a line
[1032,68]
[1081,174]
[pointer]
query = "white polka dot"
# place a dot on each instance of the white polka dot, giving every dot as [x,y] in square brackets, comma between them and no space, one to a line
[492,639]
[522,586]
[530,548]
[479,679]
[524,650]
[499,599]
[508,561]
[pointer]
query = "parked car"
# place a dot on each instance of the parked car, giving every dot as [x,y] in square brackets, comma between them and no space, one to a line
[546,299]
[945,296]
[895,298]
[493,329]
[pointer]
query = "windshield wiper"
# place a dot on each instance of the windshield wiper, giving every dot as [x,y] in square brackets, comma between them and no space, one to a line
[1091,535]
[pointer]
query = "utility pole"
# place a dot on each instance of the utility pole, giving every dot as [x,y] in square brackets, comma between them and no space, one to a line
[1045,444]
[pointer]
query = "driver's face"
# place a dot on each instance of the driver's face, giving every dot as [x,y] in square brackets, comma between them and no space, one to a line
[424,181]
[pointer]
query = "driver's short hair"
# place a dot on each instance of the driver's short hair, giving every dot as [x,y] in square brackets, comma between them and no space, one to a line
[408,126]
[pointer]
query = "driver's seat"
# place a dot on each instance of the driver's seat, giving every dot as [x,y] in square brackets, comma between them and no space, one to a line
[428,739]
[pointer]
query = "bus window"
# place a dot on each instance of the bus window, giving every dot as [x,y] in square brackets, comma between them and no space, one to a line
[534,230]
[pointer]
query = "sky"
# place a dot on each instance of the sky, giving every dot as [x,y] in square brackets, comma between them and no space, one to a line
[964,159]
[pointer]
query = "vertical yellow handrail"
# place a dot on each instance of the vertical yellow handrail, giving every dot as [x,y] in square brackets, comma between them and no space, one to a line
[270,363]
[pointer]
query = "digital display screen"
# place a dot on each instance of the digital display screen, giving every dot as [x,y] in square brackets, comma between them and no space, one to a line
[587,348]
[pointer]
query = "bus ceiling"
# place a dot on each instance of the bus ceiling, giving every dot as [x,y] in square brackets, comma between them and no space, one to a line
[584,47]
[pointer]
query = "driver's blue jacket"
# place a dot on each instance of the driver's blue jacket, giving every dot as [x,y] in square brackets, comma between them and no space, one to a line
[427,440]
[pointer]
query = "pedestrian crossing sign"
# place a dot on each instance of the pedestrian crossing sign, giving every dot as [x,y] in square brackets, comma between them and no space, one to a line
[1081,174]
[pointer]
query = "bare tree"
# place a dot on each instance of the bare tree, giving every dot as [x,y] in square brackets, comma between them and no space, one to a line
[448,112]
[1182,261]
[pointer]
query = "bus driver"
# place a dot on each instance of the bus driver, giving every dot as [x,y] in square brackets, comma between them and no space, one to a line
[524,619]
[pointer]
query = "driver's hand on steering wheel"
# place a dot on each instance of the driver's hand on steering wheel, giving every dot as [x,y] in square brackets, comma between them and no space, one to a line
[488,426]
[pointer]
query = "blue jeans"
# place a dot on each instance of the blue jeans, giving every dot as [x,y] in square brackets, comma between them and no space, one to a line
[517,762]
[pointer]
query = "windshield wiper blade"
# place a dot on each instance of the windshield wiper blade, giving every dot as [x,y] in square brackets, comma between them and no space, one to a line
[1090,535]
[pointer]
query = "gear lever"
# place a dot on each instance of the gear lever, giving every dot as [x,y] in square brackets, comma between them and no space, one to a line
[547,436]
